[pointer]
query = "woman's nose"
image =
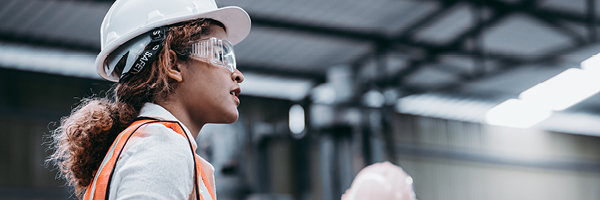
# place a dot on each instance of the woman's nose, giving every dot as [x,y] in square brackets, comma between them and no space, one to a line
[237,76]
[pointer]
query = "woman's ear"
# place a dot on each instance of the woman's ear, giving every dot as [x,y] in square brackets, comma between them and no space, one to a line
[173,69]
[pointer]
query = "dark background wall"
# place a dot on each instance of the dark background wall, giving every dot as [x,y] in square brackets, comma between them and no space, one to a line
[30,106]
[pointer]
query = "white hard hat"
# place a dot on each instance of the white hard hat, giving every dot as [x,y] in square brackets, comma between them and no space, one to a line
[127,20]
[382,181]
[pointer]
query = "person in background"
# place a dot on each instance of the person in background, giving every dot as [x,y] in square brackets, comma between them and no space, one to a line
[175,69]
[381,181]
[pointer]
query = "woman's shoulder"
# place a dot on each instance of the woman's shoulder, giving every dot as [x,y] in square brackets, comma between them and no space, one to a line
[156,163]
[155,148]
[157,139]
[160,131]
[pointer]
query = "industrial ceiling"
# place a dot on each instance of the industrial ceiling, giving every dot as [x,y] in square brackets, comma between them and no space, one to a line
[478,51]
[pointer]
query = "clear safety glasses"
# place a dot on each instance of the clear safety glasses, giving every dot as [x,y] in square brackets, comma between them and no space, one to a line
[213,50]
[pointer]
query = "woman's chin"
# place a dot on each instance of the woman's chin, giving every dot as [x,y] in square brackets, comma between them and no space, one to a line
[232,120]
[228,118]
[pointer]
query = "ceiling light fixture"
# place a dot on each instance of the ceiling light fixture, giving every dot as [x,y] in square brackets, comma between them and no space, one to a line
[296,120]
[516,113]
[555,94]
[563,90]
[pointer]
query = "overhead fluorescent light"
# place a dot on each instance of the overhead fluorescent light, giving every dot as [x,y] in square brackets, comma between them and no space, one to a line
[563,90]
[275,87]
[48,60]
[557,93]
[517,113]
[592,63]
[452,108]
[443,107]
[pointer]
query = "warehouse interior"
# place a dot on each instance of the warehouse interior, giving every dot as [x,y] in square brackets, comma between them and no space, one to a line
[333,86]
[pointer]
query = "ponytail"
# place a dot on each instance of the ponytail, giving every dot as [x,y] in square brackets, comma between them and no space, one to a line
[84,137]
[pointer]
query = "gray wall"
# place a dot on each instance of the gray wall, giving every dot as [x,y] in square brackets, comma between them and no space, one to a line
[29,104]
[456,160]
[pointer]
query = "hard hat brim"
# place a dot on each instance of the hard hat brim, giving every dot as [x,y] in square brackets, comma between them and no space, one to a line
[236,21]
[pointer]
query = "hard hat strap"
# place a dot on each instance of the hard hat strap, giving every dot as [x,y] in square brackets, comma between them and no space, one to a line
[147,56]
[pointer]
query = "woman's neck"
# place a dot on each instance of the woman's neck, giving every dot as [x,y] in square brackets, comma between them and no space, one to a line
[183,116]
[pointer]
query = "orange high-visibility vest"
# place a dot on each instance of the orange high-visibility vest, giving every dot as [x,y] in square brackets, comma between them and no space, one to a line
[100,186]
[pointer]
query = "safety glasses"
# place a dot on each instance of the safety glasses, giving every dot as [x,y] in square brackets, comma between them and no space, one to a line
[213,50]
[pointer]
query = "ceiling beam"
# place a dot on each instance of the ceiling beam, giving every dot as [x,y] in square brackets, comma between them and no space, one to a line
[591,12]
[548,13]
[464,78]
[32,40]
[401,39]
[558,14]
[392,42]
[530,8]
[259,21]
[406,35]
[445,8]
[457,46]
[500,7]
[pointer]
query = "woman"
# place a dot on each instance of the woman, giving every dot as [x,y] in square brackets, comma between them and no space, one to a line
[176,71]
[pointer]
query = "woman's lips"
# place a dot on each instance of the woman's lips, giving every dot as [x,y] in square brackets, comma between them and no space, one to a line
[235,93]
[236,99]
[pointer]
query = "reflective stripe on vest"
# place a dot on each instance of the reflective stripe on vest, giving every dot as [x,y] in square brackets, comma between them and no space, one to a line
[100,186]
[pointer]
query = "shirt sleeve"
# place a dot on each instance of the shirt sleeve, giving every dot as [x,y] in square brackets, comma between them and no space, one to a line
[156,165]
